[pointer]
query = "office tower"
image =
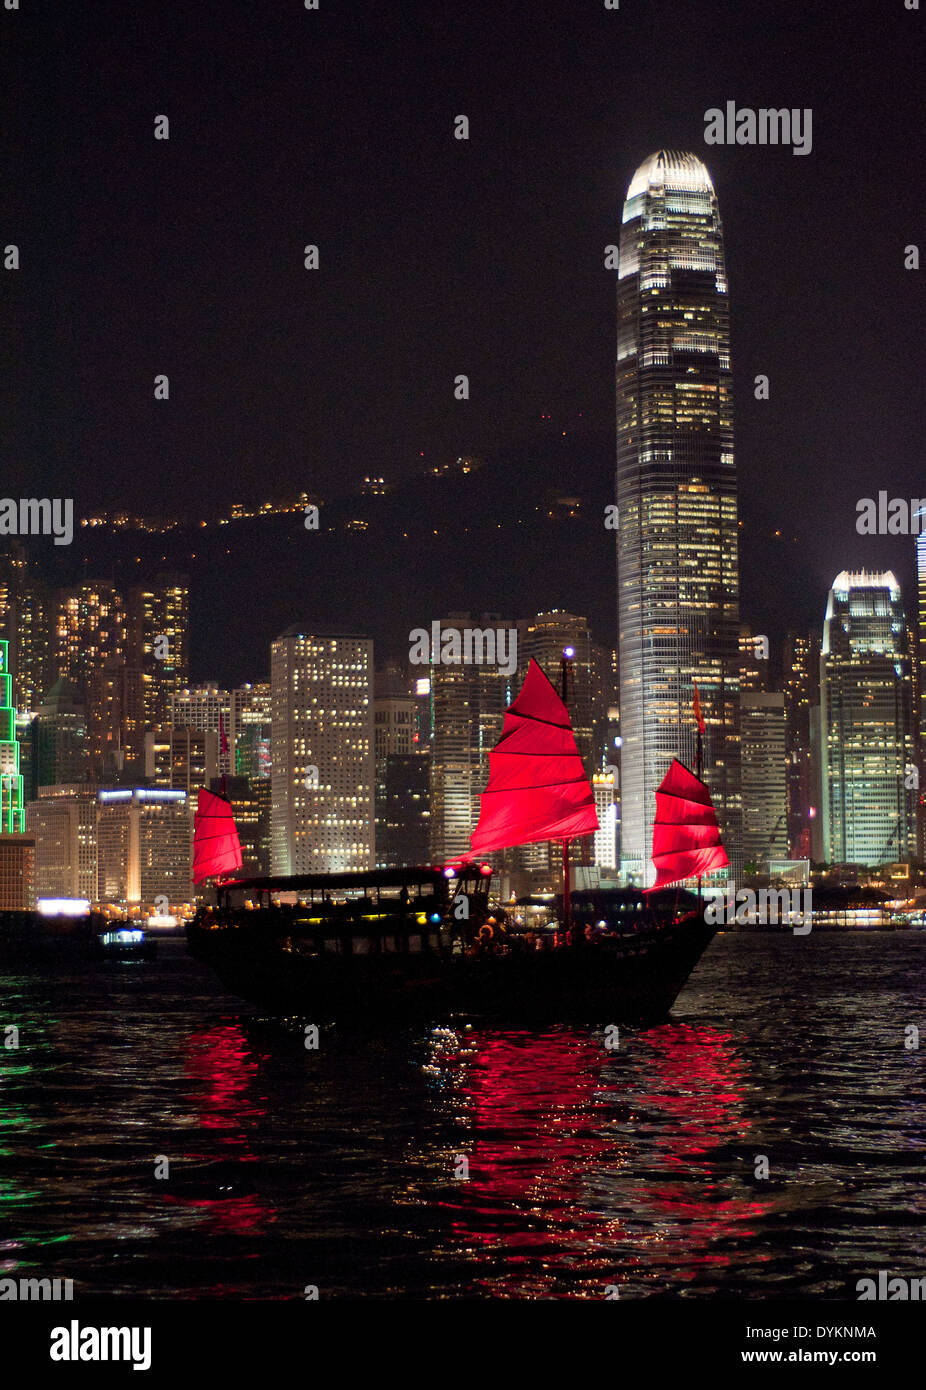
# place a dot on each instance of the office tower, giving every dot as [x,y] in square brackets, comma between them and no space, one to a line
[116,721]
[90,625]
[322,775]
[63,822]
[250,803]
[605,707]
[26,621]
[28,752]
[158,641]
[604,788]
[678,578]
[144,849]
[764,775]
[180,757]
[866,723]
[544,638]
[205,707]
[62,749]
[402,783]
[802,696]
[403,815]
[468,703]
[249,731]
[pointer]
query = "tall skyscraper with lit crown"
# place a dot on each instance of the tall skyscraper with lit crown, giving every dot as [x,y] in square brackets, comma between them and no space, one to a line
[678,574]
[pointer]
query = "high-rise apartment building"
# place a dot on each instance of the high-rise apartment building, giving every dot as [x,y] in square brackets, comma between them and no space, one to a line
[322,776]
[27,622]
[158,641]
[205,707]
[116,720]
[678,572]
[90,626]
[866,723]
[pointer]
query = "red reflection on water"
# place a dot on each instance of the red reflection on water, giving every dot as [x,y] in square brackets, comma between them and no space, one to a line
[223,1070]
[598,1163]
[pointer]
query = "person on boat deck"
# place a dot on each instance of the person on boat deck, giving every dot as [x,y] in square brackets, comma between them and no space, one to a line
[485,943]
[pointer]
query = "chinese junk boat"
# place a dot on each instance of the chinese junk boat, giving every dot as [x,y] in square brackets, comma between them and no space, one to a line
[413,944]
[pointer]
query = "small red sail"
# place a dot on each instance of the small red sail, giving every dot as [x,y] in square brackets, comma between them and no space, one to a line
[686,836]
[216,847]
[537,786]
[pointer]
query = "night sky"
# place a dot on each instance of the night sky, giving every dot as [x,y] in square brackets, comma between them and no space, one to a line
[441,256]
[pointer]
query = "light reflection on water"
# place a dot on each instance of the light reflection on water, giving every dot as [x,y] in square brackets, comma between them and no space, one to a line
[589,1168]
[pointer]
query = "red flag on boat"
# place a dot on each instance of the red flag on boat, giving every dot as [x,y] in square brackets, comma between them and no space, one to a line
[216,847]
[537,787]
[697,708]
[686,836]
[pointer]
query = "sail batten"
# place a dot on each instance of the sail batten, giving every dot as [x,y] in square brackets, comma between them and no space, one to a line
[216,847]
[529,797]
[686,835]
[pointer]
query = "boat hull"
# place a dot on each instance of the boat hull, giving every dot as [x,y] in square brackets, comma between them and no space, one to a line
[634,980]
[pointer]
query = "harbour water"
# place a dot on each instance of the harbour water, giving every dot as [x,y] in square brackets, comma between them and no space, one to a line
[462,1162]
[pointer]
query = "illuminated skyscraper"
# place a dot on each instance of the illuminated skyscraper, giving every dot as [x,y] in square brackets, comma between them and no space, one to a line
[12,811]
[866,723]
[321,690]
[468,703]
[678,577]
[921,587]
[802,697]
[159,641]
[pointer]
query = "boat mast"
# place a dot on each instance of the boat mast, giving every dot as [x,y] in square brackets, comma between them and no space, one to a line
[568,654]
[699,756]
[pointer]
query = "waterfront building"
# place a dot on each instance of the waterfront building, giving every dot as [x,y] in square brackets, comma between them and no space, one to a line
[144,849]
[17,872]
[63,822]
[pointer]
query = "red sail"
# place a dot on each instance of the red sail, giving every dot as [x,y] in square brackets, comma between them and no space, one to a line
[537,787]
[216,847]
[686,837]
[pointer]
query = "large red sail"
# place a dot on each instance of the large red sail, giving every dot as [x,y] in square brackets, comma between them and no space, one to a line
[216,847]
[686,836]
[537,786]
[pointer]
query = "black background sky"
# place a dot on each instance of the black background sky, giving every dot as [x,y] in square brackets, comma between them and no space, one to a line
[439,256]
